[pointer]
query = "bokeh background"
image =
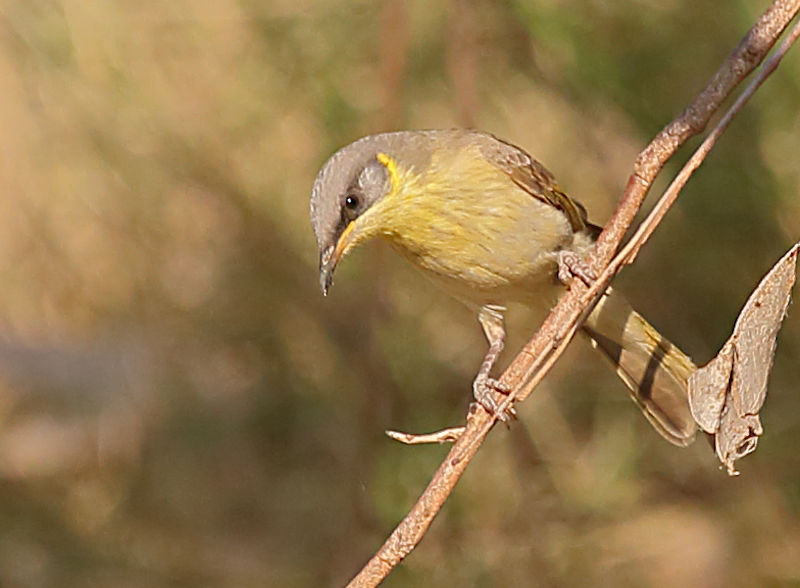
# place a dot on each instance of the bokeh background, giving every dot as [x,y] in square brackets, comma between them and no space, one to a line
[179,406]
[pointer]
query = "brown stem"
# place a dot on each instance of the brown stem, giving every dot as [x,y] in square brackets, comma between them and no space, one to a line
[444,436]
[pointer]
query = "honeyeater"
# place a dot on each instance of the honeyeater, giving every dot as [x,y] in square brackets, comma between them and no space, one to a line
[490,224]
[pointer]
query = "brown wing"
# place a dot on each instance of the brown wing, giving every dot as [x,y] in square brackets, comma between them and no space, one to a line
[531,176]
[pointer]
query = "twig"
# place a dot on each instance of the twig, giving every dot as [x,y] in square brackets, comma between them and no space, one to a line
[646,228]
[450,435]
[539,354]
[649,224]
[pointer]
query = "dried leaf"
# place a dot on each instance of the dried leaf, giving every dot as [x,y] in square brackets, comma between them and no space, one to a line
[726,394]
[708,387]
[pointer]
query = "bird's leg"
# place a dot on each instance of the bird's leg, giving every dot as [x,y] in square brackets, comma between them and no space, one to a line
[571,265]
[491,319]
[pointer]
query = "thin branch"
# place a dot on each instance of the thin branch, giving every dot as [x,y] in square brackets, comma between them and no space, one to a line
[450,435]
[648,225]
[646,228]
[541,352]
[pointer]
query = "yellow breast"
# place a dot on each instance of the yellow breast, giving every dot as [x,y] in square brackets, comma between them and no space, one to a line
[469,226]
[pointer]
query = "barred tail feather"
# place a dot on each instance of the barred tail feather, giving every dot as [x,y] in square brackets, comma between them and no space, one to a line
[654,369]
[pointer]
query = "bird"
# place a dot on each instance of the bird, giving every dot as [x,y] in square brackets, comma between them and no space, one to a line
[490,224]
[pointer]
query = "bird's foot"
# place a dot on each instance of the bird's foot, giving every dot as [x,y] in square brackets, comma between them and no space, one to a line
[571,266]
[484,389]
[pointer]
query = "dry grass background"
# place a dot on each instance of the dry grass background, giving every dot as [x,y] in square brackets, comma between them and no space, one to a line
[180,407]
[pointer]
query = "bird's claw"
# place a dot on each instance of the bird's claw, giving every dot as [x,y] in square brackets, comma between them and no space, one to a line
[571,266]
[484,389]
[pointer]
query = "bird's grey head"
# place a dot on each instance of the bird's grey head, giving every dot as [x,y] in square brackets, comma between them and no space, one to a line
[349,183]
[356,177]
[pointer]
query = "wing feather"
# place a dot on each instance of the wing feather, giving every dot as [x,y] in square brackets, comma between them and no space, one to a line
[533,177]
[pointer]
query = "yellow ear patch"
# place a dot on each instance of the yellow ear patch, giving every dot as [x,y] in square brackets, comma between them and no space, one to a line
[391,167]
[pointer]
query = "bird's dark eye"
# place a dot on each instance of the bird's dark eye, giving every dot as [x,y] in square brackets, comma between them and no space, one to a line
[352,207]
[351,202]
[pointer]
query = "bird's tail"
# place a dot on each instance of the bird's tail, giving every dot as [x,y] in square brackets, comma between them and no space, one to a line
[654,369]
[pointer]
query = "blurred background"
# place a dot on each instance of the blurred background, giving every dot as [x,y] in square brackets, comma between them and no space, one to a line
[179,405]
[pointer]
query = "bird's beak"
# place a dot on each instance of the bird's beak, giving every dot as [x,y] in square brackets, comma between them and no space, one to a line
[330,256]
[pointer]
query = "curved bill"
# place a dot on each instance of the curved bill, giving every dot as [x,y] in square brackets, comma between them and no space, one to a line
[326,269]
[330,256]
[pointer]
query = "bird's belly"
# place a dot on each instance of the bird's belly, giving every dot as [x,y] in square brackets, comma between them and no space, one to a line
[503,258]
[488,280]
[482,237]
